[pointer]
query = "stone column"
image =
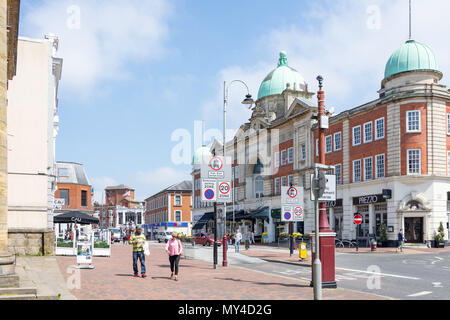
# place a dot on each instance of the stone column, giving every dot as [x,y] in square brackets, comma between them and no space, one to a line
[6,259]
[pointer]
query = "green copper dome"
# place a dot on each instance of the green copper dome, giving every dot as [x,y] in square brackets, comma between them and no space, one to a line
[200,154]
[275,82]
[409,57]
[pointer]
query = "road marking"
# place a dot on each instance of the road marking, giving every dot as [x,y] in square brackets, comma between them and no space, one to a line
[439,259]
[418,294]
[437,284]
[381,274]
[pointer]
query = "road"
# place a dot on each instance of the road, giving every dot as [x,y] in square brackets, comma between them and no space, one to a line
[399,276]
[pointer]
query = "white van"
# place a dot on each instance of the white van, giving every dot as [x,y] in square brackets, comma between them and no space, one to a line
[164,236]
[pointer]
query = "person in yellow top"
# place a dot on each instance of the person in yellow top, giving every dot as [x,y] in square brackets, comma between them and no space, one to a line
[138,241]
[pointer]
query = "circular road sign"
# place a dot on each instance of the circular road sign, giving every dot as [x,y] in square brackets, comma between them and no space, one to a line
[287,215]
[216,164]
[209,194]
[224,188]
[298,211]
[357,219]
[292,192]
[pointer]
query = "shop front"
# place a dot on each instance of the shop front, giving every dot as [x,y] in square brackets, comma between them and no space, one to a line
[373,209]
[335,216]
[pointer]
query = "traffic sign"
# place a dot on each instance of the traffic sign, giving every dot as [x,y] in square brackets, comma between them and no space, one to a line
[217,168]
[209,193]
[224,193]
[357,219]
[287,214]
[329,192]
[292,196]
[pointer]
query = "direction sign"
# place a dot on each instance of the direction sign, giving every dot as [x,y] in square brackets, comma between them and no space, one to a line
[357,219]
[287,214]
[217,167]
[209,190]
[224,194]
[329,193]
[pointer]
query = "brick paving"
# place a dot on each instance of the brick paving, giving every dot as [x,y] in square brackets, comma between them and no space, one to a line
[112,279]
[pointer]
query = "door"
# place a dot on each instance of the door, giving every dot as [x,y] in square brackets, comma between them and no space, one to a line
[414,230]
[338,226]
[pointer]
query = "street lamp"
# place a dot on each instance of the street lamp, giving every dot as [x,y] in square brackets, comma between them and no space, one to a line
[247,101]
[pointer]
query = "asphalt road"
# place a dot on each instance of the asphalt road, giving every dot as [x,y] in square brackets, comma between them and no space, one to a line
[399,276]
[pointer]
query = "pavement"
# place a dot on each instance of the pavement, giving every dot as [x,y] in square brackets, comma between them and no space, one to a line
[112,279]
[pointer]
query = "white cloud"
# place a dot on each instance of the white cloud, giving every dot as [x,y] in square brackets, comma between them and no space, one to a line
[99,184]
[99,39]
[152,181]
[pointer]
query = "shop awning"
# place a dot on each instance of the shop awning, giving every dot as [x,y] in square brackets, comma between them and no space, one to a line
[75,217]
[261,213]
[237,215]
[203,220]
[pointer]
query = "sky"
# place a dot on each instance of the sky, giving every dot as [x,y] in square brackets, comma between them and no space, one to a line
[139,75]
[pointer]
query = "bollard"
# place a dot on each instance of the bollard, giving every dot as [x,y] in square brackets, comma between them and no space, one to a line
[225,248]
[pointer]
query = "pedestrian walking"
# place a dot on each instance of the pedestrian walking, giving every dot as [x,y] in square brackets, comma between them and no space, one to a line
[138,241]
[248,240]
[237,240]
[253,237]
[124,238]
[400,240]
[175,250]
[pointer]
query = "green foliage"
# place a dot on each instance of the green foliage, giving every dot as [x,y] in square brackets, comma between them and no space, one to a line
[383,231]
[102,244]
[439,237]
[62,244]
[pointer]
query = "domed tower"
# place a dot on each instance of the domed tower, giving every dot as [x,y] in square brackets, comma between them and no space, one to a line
[201,155]
[279,88]
[412,64]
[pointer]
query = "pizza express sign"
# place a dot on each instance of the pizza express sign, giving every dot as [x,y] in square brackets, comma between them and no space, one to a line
[332,204]
[375,198]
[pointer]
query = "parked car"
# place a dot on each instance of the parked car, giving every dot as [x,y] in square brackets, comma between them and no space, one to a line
[205,239]
[116,235]
[164,236]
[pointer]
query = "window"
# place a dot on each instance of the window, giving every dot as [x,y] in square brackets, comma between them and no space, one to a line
[236,172]
[379,166]
[356,135]
[290,180]
[259,187]
[448,162]
[236,194]
[368,132]
[277,159]
[177,215]
[63,172]
[303,151]
[283,157]
[304,180]
[368,168]
[139,218]
[337,141]
[177,200]
[290,155]
[338,173]
[356,170]
[317,147]
[83,198]
[64,194]
[284,181]
[448,123]
[413,121]
[379,128]
[413,159]
[277,188]
[328,144]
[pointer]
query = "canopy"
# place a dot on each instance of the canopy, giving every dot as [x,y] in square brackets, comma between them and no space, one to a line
[203,220]
[75,217]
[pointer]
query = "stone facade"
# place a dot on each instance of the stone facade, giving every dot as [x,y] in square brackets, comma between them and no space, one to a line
[31,242]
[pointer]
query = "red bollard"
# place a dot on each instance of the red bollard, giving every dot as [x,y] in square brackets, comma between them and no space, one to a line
[225,247]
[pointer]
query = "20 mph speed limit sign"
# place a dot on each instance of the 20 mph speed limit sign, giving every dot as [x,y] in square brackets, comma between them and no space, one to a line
[224,188]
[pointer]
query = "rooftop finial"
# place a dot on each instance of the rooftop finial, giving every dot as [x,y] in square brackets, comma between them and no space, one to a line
[409,19]
[283,59]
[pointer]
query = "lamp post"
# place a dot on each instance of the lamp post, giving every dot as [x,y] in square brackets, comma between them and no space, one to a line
[324,259]
[247,101]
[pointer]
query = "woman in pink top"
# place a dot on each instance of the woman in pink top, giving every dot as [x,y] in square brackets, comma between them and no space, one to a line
[174,249]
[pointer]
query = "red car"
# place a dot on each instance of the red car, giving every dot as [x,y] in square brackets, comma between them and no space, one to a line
[205,239]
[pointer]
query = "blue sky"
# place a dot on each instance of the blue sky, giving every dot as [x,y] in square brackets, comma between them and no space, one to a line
[135,71]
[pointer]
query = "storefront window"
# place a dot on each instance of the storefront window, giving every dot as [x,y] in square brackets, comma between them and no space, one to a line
[380,217]
[363,228]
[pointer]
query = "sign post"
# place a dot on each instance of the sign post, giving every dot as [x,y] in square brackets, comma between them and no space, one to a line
[292,209]
[216,187]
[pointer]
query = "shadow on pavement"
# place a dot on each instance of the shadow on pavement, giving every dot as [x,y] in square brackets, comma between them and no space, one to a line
[124,275]
[267,283]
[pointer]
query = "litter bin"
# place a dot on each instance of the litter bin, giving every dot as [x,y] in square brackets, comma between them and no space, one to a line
[373,245]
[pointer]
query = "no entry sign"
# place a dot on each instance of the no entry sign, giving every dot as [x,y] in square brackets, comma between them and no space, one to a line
[357,219]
